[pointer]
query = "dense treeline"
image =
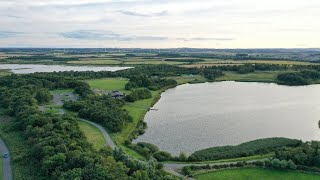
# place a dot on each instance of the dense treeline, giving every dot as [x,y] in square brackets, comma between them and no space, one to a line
[212,74]
[101,109]
[184,60]
[162,71]
[306,154]
[59,149]
[260,146]
[153,83]
[138,94]
[42,57]
[303,77]
[305,157]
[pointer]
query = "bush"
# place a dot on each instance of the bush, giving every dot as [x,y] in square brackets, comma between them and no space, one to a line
[162,156]
[138,95]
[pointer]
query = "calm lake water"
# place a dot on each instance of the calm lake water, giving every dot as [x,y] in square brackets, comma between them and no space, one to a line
[196,116]
[32,68]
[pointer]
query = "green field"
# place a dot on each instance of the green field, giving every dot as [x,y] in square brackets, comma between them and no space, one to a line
[108,84]
[22,168]
[214,62]
[93,134]
[256,174]
[263,76]
[4,72]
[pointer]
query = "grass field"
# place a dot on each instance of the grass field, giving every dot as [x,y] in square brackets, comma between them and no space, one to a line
[93,134]
[109,84]
[18,147]
[256,174]
[213,62]
[188,78]
[262,76]
[4,72]
[123,61]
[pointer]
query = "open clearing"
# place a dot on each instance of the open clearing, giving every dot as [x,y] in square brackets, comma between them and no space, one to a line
[256,174]
[109,84]
[211,62]
[4,72]
[262,76]
[93,135]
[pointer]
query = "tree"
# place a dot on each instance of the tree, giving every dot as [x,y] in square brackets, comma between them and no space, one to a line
[183,157]
[43,96]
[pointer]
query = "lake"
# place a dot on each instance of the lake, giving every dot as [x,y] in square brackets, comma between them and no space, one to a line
[191,117]
[32,68]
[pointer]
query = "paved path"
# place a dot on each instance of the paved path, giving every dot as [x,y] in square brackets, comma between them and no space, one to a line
[6,164]
[105,134]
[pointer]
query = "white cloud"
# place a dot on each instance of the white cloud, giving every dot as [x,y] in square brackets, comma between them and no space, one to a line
[163,23]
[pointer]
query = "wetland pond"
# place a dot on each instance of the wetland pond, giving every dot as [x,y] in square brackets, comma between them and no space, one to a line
[32,68]
[191,117]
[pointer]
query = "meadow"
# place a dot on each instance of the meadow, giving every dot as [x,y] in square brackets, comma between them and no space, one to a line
[256,174]
[93,135]
[4,72]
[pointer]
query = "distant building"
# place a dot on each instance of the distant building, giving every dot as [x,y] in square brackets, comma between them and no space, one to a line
[117,94]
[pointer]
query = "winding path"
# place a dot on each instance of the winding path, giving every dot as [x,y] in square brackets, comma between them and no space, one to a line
[6,163]
[173,168]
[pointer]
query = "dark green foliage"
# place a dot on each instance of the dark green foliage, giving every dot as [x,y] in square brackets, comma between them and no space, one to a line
[59,149]
[42,58]
[306,154]
[103,110]
[153,83]
[245,69]
[43,96]
[303,77]
[212,74]
[162,156]
[292,79]
[152,148]
[260,146]
[140,168]
[138,94]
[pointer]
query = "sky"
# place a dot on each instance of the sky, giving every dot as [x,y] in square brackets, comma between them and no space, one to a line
[160,23]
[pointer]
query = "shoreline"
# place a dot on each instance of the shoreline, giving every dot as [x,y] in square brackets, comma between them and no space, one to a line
[158,96]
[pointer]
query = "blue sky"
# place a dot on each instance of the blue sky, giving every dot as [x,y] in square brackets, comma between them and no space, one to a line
[160,23]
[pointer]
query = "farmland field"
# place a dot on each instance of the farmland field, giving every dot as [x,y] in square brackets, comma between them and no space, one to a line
[262,76]
[256,174]
[109,84]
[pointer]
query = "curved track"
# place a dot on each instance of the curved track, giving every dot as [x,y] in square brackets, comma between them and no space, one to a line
[6,163]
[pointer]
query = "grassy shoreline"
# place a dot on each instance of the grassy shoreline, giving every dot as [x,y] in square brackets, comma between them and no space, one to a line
[255,174]
[139,109]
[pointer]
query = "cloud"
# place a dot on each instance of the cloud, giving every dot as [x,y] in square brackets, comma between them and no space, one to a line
[13,16]
[106,35]
[205,39]
[8,34]
[132,13]
[109,35]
